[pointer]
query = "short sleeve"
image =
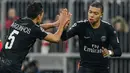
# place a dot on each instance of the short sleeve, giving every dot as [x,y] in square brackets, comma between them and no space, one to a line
[39,33]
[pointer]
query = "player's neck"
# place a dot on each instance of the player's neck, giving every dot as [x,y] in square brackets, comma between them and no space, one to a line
[96,25]
[34,21]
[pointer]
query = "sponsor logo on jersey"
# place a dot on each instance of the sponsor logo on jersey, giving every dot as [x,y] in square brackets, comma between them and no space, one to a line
[93,49]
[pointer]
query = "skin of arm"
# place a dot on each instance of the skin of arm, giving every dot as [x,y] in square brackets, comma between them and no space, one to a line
[50,25]
[64,18]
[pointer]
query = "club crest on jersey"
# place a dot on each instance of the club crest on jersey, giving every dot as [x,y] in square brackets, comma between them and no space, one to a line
[103,38]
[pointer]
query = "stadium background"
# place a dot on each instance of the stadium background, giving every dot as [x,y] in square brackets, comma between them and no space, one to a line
[64,57]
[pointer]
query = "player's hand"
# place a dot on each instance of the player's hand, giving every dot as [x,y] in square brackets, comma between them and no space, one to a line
[56,24]
[57,21]
[106,53]
[67,24]
[64,17]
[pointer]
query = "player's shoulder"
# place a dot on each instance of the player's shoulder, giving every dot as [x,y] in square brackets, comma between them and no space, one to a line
[82,21]
[105,23]
[108,26]
[37,28]
[24,21]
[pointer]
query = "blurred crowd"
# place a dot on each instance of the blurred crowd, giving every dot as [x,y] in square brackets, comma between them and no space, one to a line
[118,16]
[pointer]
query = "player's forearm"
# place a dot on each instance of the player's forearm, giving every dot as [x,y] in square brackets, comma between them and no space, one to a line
[47,25]
[116,48]
[59,33]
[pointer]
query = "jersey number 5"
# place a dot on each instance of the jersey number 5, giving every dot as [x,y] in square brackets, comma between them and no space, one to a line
[11,37]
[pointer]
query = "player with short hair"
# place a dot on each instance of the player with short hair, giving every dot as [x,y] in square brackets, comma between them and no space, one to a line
[95,36]
[23,34]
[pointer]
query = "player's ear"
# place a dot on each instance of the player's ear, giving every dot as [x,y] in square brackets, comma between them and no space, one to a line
[38,17]
[101,15]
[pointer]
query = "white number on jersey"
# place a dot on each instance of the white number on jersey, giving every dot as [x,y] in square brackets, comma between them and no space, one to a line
[11,37]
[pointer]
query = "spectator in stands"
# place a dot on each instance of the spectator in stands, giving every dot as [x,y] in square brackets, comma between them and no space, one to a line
[31,67]
[120,24]
[122,29]
[10,18]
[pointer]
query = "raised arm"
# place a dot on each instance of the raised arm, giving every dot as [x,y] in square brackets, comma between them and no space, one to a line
[50,25]
[63,20]
[72,31]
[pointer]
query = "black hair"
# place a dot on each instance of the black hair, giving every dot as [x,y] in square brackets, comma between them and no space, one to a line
[34,10]
[97,5]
